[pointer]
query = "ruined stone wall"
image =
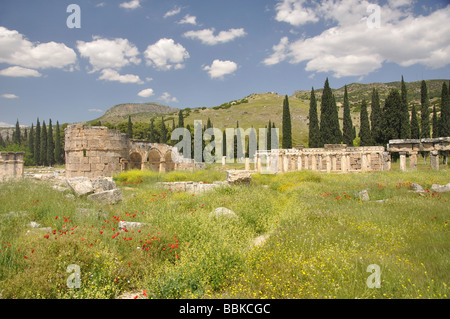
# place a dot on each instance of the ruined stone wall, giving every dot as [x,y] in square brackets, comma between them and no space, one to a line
[94,151]
[331,158]
[11,165]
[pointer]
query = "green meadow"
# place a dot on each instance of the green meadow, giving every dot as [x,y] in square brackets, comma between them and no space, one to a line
[316,238]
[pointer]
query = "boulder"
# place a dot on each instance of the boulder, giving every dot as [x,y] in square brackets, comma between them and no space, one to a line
[363,195]
[80,185]
[238,177]
[127,225]
[102,184]
[417,188]
[112,196]
[223,212]
[440,188]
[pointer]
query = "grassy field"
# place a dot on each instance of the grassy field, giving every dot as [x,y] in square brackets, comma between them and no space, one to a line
[319,236]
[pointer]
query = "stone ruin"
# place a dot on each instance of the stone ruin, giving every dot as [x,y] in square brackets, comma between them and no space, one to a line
[11,165]
[93,151]
[330,158]
[411,148]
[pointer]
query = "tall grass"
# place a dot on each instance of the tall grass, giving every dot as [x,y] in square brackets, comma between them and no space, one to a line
[320,238]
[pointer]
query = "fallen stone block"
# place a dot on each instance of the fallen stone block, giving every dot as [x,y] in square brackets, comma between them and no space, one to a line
[239,176]
[103,184]
[223,212]
[363,195]
[80,185]
[417,188]
[107,197]
[440,188]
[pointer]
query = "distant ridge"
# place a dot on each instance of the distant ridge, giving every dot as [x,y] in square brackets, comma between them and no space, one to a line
[119,113]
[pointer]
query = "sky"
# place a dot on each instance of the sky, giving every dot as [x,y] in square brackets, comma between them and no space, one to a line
[72,60]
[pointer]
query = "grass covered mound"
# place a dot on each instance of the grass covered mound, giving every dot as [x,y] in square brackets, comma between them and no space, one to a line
[295,235]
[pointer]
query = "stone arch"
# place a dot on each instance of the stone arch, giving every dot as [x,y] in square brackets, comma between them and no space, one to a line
[154,159]
[135,161]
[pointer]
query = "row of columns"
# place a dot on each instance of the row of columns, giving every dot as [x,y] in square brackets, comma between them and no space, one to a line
[434,160]
[315,162]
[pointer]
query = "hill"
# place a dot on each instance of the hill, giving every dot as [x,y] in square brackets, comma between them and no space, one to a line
[140,112]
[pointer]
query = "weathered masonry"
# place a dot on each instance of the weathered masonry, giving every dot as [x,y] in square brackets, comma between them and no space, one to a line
[411,148]
[11,165]
[99,151]
[331,158]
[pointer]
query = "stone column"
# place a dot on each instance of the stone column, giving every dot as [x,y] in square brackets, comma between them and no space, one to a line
[344,163]
[333,162]
[314,162]
[285,163]
[363,162]
[162,167]
[434,160]
[328,160]
[403,161]
[386,161]
[368,162]
[413,160]
[306,158]
[299,162]
[247,164]
[224,160]
[319,162]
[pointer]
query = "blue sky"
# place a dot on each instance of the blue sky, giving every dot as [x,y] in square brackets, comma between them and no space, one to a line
[193,53]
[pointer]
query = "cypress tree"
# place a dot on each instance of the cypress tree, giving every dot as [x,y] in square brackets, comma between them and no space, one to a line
[180,119]
[435,123]
[376,118]
[2,142]
[405,127]
[347,130]
[415,131]
[43,144]
[163,137]
[58,146]
[16,134]
[337,134]
[287,129]
[444,119]
[425,111]
[269,136]
[130,128]
[31,141]
[50,145]
[328,118]
[314,130]
[364,132]
[276,139]
[391,117]
[37,144]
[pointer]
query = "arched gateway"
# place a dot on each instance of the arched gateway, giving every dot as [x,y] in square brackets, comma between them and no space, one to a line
[94,151]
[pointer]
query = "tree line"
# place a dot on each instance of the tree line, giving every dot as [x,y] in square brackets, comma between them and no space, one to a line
[392,121]
[43,145]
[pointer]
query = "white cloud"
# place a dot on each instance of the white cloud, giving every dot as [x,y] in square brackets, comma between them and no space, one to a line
[18,71]
[172,12]
[352,48]
[133,4]
[96,110]
[146,93]
[220,68]
[9,96]
[279,52]
[104,53]
[166,54]
[15,49]
[113,75]
[293,12]
[167,98]
[188,19]
[101,4]
[207,35]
